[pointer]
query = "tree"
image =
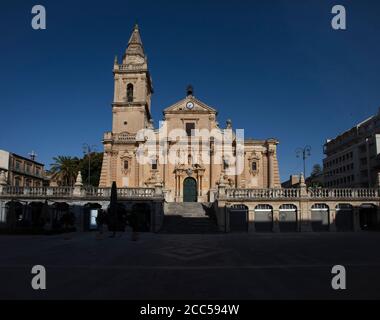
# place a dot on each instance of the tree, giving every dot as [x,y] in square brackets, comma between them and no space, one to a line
[316,171]
[96,159]
[65,169]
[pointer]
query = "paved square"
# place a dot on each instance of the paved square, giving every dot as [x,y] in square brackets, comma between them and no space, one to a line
[215,266]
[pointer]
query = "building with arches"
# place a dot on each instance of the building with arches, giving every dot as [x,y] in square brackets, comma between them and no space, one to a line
[189,154]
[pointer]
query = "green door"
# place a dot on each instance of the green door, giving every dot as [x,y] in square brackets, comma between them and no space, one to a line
[189,190]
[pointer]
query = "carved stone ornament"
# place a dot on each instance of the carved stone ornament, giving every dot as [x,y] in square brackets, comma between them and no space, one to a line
[254,157]
[127,156]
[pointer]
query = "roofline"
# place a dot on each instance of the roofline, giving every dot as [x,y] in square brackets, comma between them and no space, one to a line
[28,159]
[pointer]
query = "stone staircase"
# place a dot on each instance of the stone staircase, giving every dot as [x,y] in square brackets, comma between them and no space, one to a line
[189,217]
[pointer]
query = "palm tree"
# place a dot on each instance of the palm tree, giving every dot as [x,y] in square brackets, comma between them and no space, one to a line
[65,169]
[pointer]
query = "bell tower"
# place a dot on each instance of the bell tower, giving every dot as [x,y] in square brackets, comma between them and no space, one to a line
[133,88]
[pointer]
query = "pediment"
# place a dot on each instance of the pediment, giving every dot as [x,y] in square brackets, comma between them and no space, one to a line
[197,106]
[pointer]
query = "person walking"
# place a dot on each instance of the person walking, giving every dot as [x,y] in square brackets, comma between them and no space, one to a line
[100,221]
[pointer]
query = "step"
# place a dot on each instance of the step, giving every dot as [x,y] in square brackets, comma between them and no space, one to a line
[188,217]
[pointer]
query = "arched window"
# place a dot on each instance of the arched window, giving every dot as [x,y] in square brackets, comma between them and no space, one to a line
[126,165]
[130,92]
[154,164]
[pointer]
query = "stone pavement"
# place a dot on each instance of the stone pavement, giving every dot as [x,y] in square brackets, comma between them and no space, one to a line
[214,266]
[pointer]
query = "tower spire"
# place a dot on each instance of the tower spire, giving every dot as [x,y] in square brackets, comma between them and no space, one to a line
[135,46]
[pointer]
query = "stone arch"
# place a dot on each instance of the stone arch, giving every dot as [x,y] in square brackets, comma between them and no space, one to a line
[142,212]
[36,214]
[238,217]
[90,213]
[368,217]
[320,217]
[263,218]
[288,217]
[129,92]
[14,214]
[344,217]
[60,213]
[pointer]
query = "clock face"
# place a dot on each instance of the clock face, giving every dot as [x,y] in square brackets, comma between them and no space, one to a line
[190,105]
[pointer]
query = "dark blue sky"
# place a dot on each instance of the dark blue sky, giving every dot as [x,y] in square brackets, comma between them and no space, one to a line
[276,68]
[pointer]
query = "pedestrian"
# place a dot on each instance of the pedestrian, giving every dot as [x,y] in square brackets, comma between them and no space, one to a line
[100,221]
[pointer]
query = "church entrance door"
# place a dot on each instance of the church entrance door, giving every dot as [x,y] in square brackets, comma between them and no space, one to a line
[189,190]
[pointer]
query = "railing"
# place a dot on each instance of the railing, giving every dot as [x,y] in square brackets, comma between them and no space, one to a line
[125,137]
[121,192]
[343,193]
[38,191]
[127,67]
[262,193]
[135,192]
[294,193]
[57,192]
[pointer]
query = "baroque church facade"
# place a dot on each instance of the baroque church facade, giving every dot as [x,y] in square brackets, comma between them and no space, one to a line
[189,154]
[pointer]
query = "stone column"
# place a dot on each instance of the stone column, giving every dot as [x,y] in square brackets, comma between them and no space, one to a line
[180,182]
[140,168]
[270,168]
[2,212]
[227,218]
[211,160]
[304,215]
[166,178]
[332,214]
[3,182]
[137,173]
[251,220]
[276,220]
[200,185]
[356,218]
[220,211]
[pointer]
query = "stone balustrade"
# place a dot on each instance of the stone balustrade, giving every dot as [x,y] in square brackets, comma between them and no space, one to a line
[69,192]
[125,137]
[37,191]
[295,193]
[262,193]
[129,67]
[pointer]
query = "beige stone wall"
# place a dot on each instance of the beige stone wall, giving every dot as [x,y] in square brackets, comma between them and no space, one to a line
[131,116]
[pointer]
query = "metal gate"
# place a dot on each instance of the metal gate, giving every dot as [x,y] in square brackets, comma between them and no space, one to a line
[368,217]
[320,220]
[263,218]
[344,217]
[288,218]
[238,215]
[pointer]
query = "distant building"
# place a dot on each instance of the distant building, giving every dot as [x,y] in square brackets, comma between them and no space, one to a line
[315,180]
[293,181]
[21,171]
[312,181]
[352,158]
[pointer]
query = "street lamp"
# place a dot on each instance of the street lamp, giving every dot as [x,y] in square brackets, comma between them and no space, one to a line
[304,152]
[87,149]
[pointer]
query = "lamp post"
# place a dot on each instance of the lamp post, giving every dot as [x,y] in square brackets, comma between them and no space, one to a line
[305,152]
[87,149]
